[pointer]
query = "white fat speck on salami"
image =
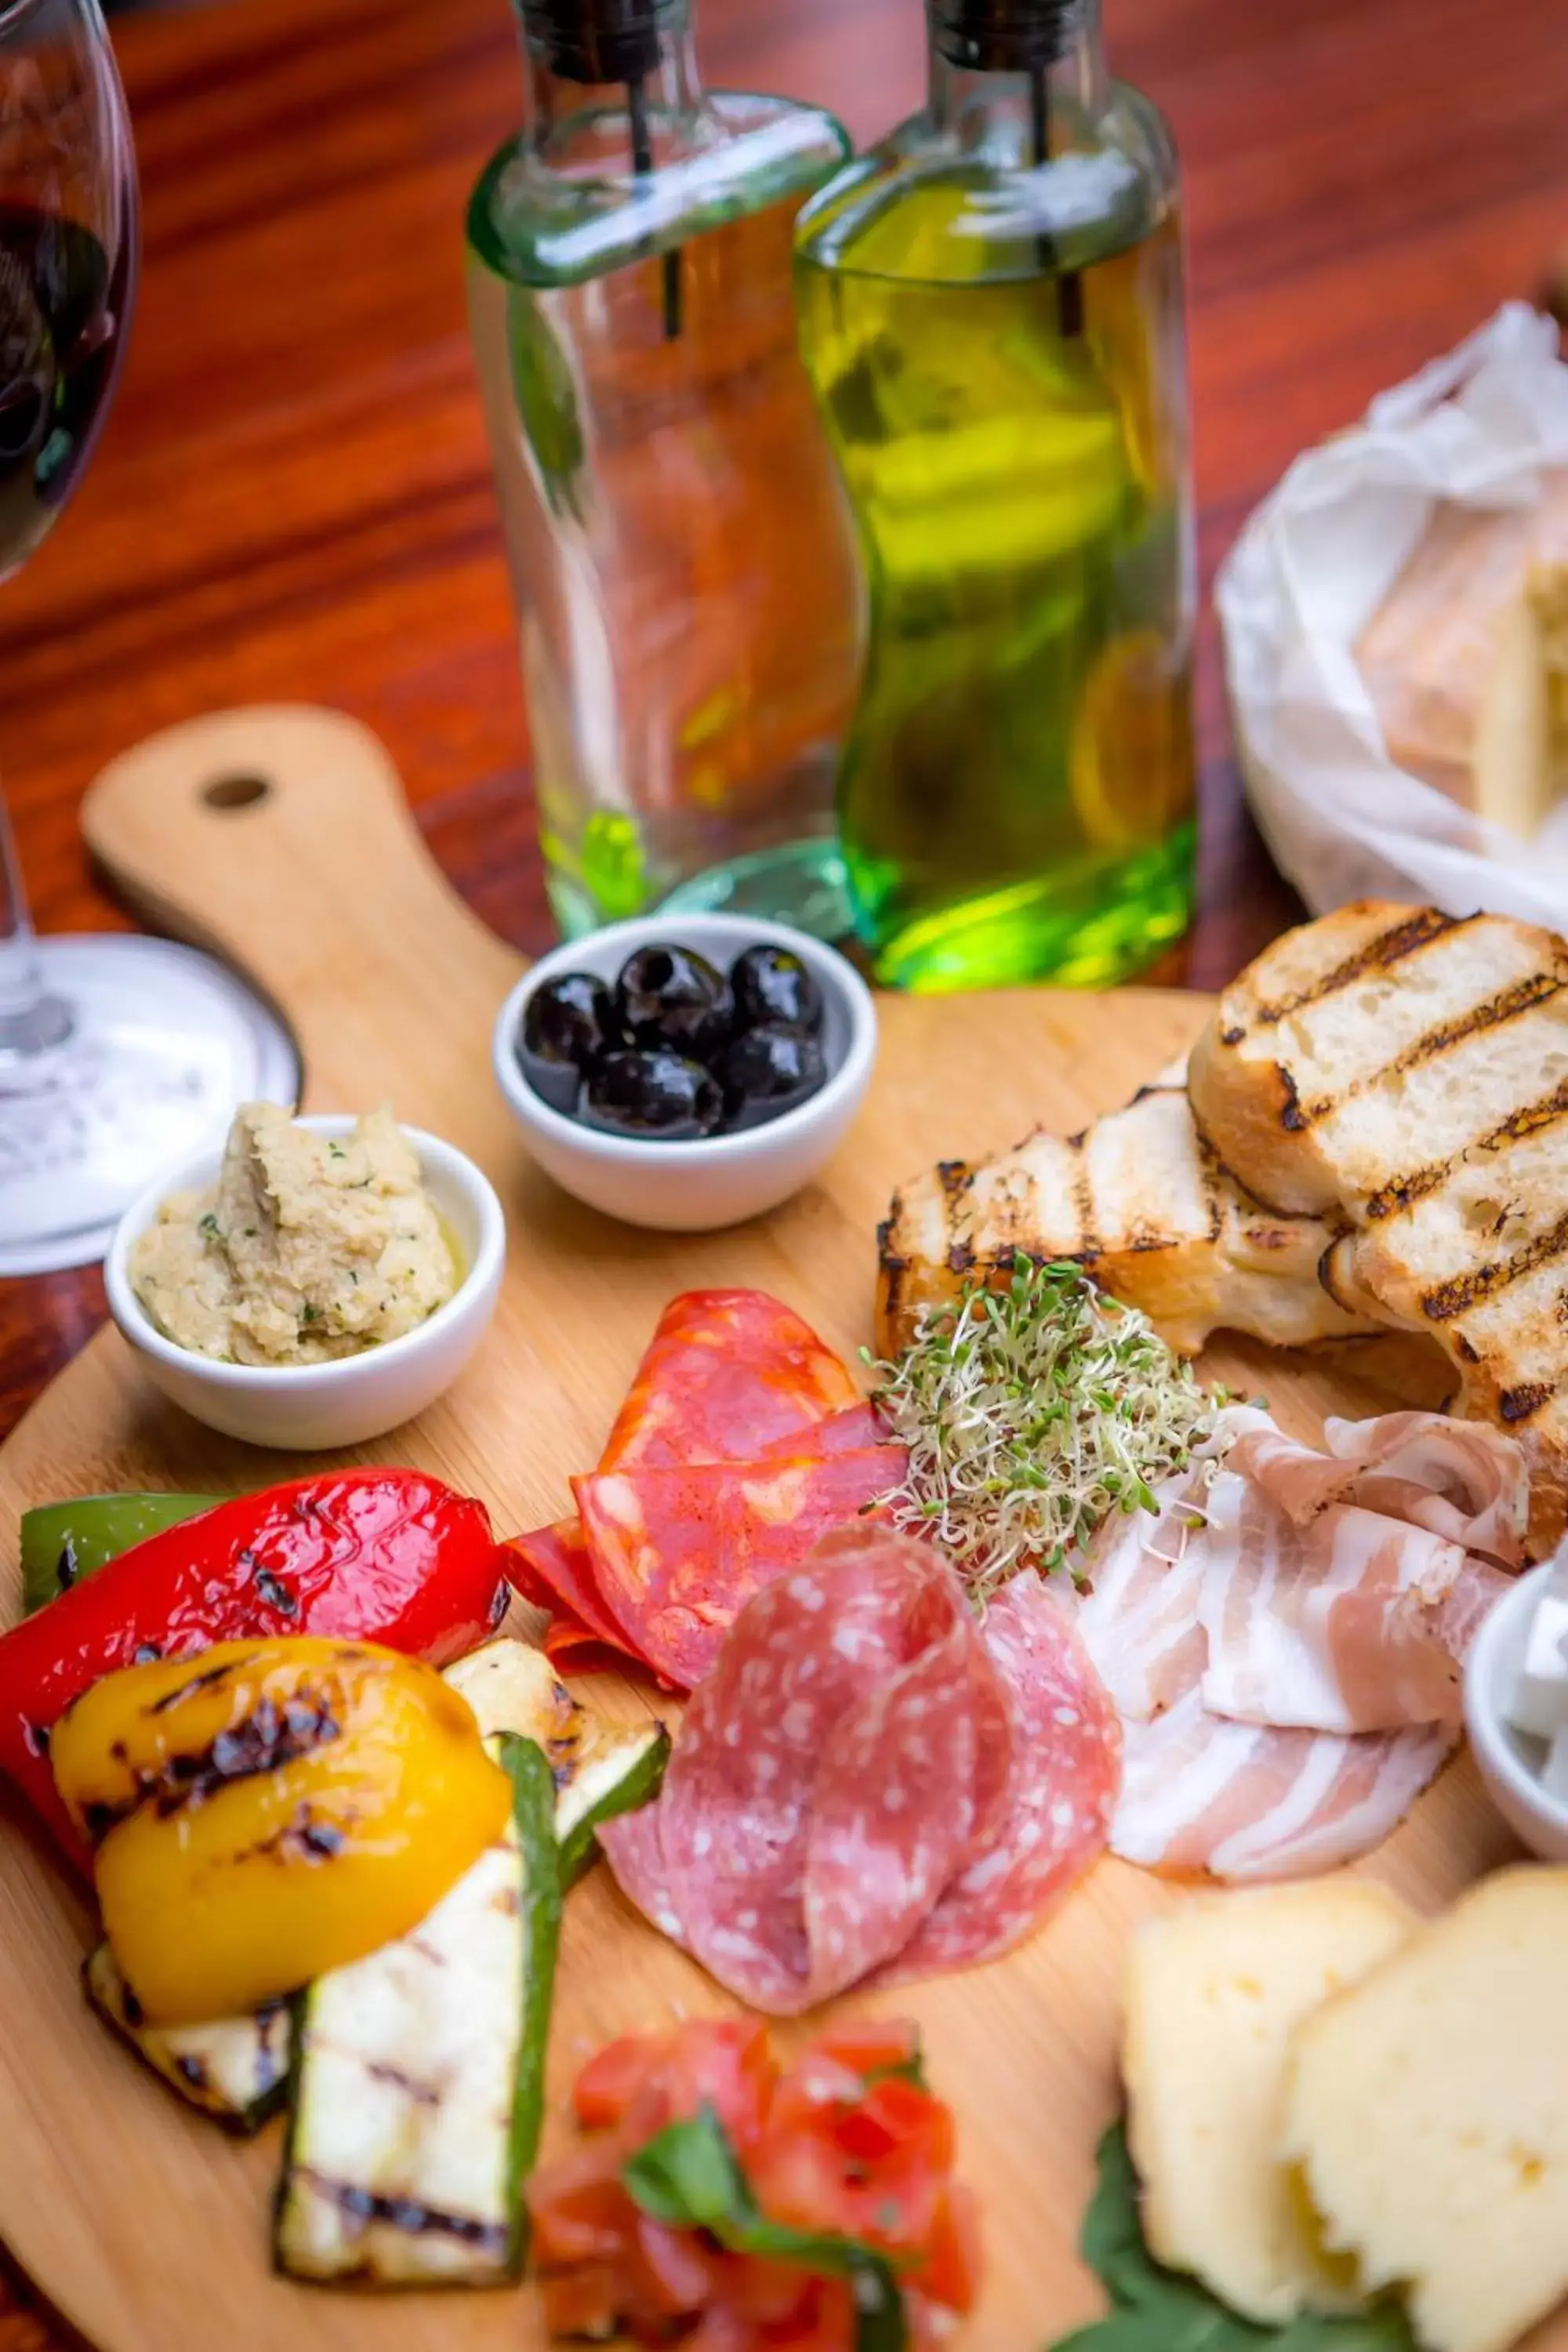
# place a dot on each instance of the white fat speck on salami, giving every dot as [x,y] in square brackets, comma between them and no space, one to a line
[906,1793]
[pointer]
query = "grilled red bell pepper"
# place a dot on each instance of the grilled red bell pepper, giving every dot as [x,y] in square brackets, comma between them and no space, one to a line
[386,1555]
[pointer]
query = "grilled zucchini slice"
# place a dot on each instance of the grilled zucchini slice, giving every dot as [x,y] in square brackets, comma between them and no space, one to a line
[419,2076]
[235,2069]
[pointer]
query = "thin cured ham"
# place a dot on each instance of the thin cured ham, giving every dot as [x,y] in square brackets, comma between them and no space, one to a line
[742,1441]
[1285,1644]
[1238,1801]
[1353,1621]
[869,1785]
[1459,1479]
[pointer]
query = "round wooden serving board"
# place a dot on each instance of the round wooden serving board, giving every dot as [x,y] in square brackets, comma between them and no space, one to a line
[280,839]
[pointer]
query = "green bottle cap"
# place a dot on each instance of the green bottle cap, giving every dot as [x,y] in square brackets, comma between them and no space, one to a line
[1000,36]
[597,41]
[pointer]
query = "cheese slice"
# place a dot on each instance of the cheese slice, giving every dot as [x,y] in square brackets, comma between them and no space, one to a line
[1215,1991]
[1467,659]
[1428,2109]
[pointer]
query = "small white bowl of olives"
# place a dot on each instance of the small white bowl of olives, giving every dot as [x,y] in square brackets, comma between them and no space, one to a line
[686,1071]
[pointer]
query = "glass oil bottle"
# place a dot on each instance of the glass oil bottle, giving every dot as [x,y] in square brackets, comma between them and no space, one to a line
[992,311]
[683,560]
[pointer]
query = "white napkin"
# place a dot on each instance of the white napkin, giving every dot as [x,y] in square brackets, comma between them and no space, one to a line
[1310,568]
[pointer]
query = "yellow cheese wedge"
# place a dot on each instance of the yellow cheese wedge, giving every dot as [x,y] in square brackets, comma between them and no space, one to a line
[1214,1992]
[1428,2110]
[1467,659]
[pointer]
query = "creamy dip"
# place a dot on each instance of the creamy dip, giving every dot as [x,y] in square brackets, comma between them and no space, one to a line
[308,1247]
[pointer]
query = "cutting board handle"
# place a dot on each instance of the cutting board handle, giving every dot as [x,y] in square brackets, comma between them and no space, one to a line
[280,837]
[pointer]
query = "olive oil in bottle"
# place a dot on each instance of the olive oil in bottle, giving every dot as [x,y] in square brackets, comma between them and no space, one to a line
[687,592]
[991,312]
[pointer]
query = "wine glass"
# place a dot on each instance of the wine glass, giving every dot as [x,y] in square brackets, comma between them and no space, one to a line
[118,1054]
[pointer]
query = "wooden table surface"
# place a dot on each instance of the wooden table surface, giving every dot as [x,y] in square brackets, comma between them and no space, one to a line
[293,497]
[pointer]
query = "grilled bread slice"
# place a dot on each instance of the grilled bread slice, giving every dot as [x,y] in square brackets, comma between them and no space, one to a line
[1362,1053]
[1141,1203]
[1411,1070]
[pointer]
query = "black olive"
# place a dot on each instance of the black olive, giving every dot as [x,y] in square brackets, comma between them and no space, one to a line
[654,1094]
[773,984]
[672,996]
[766,1072]
[568,1026]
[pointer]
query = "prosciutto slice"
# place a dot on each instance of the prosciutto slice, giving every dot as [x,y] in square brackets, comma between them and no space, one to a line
[1459,1479]
[868,1783]
[1238,1801]
[1285,1645]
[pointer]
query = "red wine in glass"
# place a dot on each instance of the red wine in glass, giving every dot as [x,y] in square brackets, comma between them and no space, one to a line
[62,309]
[119,1056]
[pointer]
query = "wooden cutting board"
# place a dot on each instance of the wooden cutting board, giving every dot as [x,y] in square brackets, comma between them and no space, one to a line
[280,839]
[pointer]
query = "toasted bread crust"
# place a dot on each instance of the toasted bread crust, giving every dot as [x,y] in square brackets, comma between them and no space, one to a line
[1376,1140]
[1247,1089]
[1141,1203]
[1436,1128]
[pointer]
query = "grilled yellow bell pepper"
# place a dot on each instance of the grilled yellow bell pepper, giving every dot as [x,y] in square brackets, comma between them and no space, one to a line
[265,1810]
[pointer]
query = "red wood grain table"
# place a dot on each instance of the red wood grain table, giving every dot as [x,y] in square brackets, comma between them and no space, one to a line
[293,498]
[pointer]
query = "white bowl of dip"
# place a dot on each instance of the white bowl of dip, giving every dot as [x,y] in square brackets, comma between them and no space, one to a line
[308,1408]
[1510,1762]
[711,1180]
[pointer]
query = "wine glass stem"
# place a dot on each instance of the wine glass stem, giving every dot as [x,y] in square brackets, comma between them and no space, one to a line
[32,1021]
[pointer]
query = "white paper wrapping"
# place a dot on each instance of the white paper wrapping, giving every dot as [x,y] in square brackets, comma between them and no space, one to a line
[1310,568]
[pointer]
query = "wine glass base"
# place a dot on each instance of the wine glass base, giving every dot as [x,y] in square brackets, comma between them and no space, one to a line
[163,1043]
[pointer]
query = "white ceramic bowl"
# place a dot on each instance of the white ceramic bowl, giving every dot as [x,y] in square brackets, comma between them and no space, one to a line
[1511,1760]
[308,1407]
[719,1180]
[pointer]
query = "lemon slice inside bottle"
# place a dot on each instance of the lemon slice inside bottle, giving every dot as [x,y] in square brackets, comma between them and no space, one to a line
[1131,761]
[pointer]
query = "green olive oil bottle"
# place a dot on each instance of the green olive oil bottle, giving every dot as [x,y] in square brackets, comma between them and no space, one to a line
[991,313]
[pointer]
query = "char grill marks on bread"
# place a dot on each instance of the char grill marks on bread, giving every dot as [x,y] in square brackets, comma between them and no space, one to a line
[1143,1204]
[1406,1073]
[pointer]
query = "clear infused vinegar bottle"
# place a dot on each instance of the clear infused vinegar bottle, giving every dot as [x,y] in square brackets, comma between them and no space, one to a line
[992,311]
[684,562]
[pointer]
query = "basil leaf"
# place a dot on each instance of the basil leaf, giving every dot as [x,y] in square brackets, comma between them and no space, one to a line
[906,2070]
[688,2177]
[1385,2329]
[1111,2238]
[1157,2310]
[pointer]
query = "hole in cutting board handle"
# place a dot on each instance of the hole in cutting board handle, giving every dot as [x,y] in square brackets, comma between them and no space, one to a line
[227,793]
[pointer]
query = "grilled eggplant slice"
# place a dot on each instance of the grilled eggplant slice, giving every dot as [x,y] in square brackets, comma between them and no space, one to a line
[419,2073]
[235,2068]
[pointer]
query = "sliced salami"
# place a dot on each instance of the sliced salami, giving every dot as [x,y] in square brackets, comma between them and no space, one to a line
[865,1783]
[676,1553]
[723,1853]
[841,1432]
[726,1373]
[550,1567]
[1061,1792]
